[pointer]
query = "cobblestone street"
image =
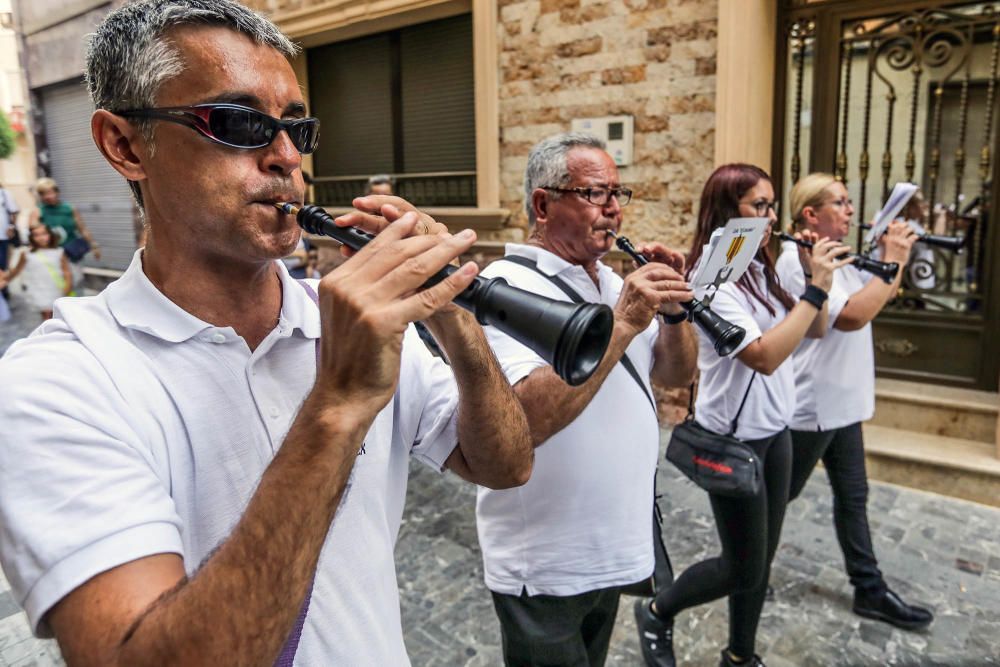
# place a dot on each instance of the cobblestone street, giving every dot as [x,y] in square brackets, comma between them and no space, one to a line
[934,550]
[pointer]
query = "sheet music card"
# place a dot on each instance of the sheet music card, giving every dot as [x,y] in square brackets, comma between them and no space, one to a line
[901,193]
[729,253]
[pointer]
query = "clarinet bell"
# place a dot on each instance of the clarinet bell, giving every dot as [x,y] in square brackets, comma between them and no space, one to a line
[951,243]
[725,336]
[572,337]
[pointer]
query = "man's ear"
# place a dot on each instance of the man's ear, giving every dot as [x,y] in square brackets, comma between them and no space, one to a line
[120,143]
[540,204]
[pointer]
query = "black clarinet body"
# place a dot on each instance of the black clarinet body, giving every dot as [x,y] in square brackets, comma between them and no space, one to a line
[572,337]
[725,335]
[887,271]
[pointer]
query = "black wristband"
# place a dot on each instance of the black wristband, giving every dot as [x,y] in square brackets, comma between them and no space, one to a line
[676,318]
[815,296]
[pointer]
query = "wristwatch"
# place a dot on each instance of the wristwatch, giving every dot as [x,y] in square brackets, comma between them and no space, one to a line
[676,318]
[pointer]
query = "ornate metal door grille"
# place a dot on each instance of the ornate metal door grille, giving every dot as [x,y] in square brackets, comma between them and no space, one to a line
[879,92]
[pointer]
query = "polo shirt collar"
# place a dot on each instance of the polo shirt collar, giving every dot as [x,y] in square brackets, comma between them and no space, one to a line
[548,262]
[137,304]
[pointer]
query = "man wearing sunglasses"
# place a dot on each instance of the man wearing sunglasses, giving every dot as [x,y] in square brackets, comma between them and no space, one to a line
[198,466]
[559,550]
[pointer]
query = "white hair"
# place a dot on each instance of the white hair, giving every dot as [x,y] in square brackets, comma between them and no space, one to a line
[547,164]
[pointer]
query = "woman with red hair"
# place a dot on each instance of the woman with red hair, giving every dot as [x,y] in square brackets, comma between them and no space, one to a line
[757,410]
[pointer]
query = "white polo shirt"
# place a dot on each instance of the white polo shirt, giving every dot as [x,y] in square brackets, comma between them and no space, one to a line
[581,523]
[132,428]
[724,380]
[834,375]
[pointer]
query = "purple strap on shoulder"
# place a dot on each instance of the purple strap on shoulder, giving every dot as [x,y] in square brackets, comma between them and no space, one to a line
[287,656]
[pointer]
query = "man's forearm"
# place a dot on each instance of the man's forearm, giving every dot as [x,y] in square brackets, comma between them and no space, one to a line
[675,355]
[241,604]
[551,404]
[493,435]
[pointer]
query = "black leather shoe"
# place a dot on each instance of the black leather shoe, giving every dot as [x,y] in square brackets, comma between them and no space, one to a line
[889,607]
[656,636]
[726,661]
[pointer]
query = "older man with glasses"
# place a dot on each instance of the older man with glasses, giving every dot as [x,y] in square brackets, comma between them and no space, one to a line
[559,550]
[200,466]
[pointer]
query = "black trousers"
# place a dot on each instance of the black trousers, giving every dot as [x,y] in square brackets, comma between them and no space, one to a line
[556,631]
[749,530]
[843,454]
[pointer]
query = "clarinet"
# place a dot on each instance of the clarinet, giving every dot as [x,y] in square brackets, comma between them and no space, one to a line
[725,336]
[885,270]
[953,243]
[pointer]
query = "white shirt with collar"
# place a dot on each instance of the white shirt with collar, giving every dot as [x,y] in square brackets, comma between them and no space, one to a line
[581,523]
[725,380]
[132,428]
[834,375]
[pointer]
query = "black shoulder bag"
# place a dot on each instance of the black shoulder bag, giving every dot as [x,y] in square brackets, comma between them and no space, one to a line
[721,464]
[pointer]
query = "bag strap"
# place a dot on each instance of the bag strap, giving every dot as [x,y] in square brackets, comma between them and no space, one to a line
[742,403]
[690,414]
[287,656]
[576,298]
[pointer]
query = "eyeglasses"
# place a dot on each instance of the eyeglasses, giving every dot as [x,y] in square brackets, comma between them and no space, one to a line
[762,206]
[236,125]
[599,196]
[840,203]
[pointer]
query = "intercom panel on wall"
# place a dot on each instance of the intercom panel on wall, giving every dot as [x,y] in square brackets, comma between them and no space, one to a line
[616,131]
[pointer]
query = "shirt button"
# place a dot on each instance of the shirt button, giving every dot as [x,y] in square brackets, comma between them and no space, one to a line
[274,412]
[218,338]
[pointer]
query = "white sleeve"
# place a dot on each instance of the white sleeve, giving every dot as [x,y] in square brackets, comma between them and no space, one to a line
[79,493]
[428,403]
[790,273]
[731,304]
[516,359]
[838,298]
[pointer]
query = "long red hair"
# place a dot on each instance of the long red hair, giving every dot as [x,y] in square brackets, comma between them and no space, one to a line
[720,201]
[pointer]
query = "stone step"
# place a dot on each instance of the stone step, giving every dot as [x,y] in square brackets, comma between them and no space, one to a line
[955,467]
[933,409]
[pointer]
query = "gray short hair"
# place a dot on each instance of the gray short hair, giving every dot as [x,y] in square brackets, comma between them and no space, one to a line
[547,163]
[129,57]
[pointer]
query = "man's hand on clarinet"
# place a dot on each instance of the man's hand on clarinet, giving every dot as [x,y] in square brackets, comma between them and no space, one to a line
[373,213]
[648,290]
[368,301]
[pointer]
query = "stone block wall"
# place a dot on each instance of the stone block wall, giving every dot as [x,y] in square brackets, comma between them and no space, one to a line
[653,59]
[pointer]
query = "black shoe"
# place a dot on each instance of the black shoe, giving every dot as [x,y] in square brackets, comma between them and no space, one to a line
[726,661]
[656,636]
[887,606]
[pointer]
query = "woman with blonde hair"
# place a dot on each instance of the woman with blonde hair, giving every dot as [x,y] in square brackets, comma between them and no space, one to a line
[835,389]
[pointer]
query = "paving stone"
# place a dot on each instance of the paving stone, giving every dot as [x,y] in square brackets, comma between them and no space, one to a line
[7,605]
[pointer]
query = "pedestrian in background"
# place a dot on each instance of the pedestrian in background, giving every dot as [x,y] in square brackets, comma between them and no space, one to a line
[46,272]
[65,223]
[380,184]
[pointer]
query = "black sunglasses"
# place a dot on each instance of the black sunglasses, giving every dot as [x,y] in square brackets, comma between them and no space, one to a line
[236,125]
